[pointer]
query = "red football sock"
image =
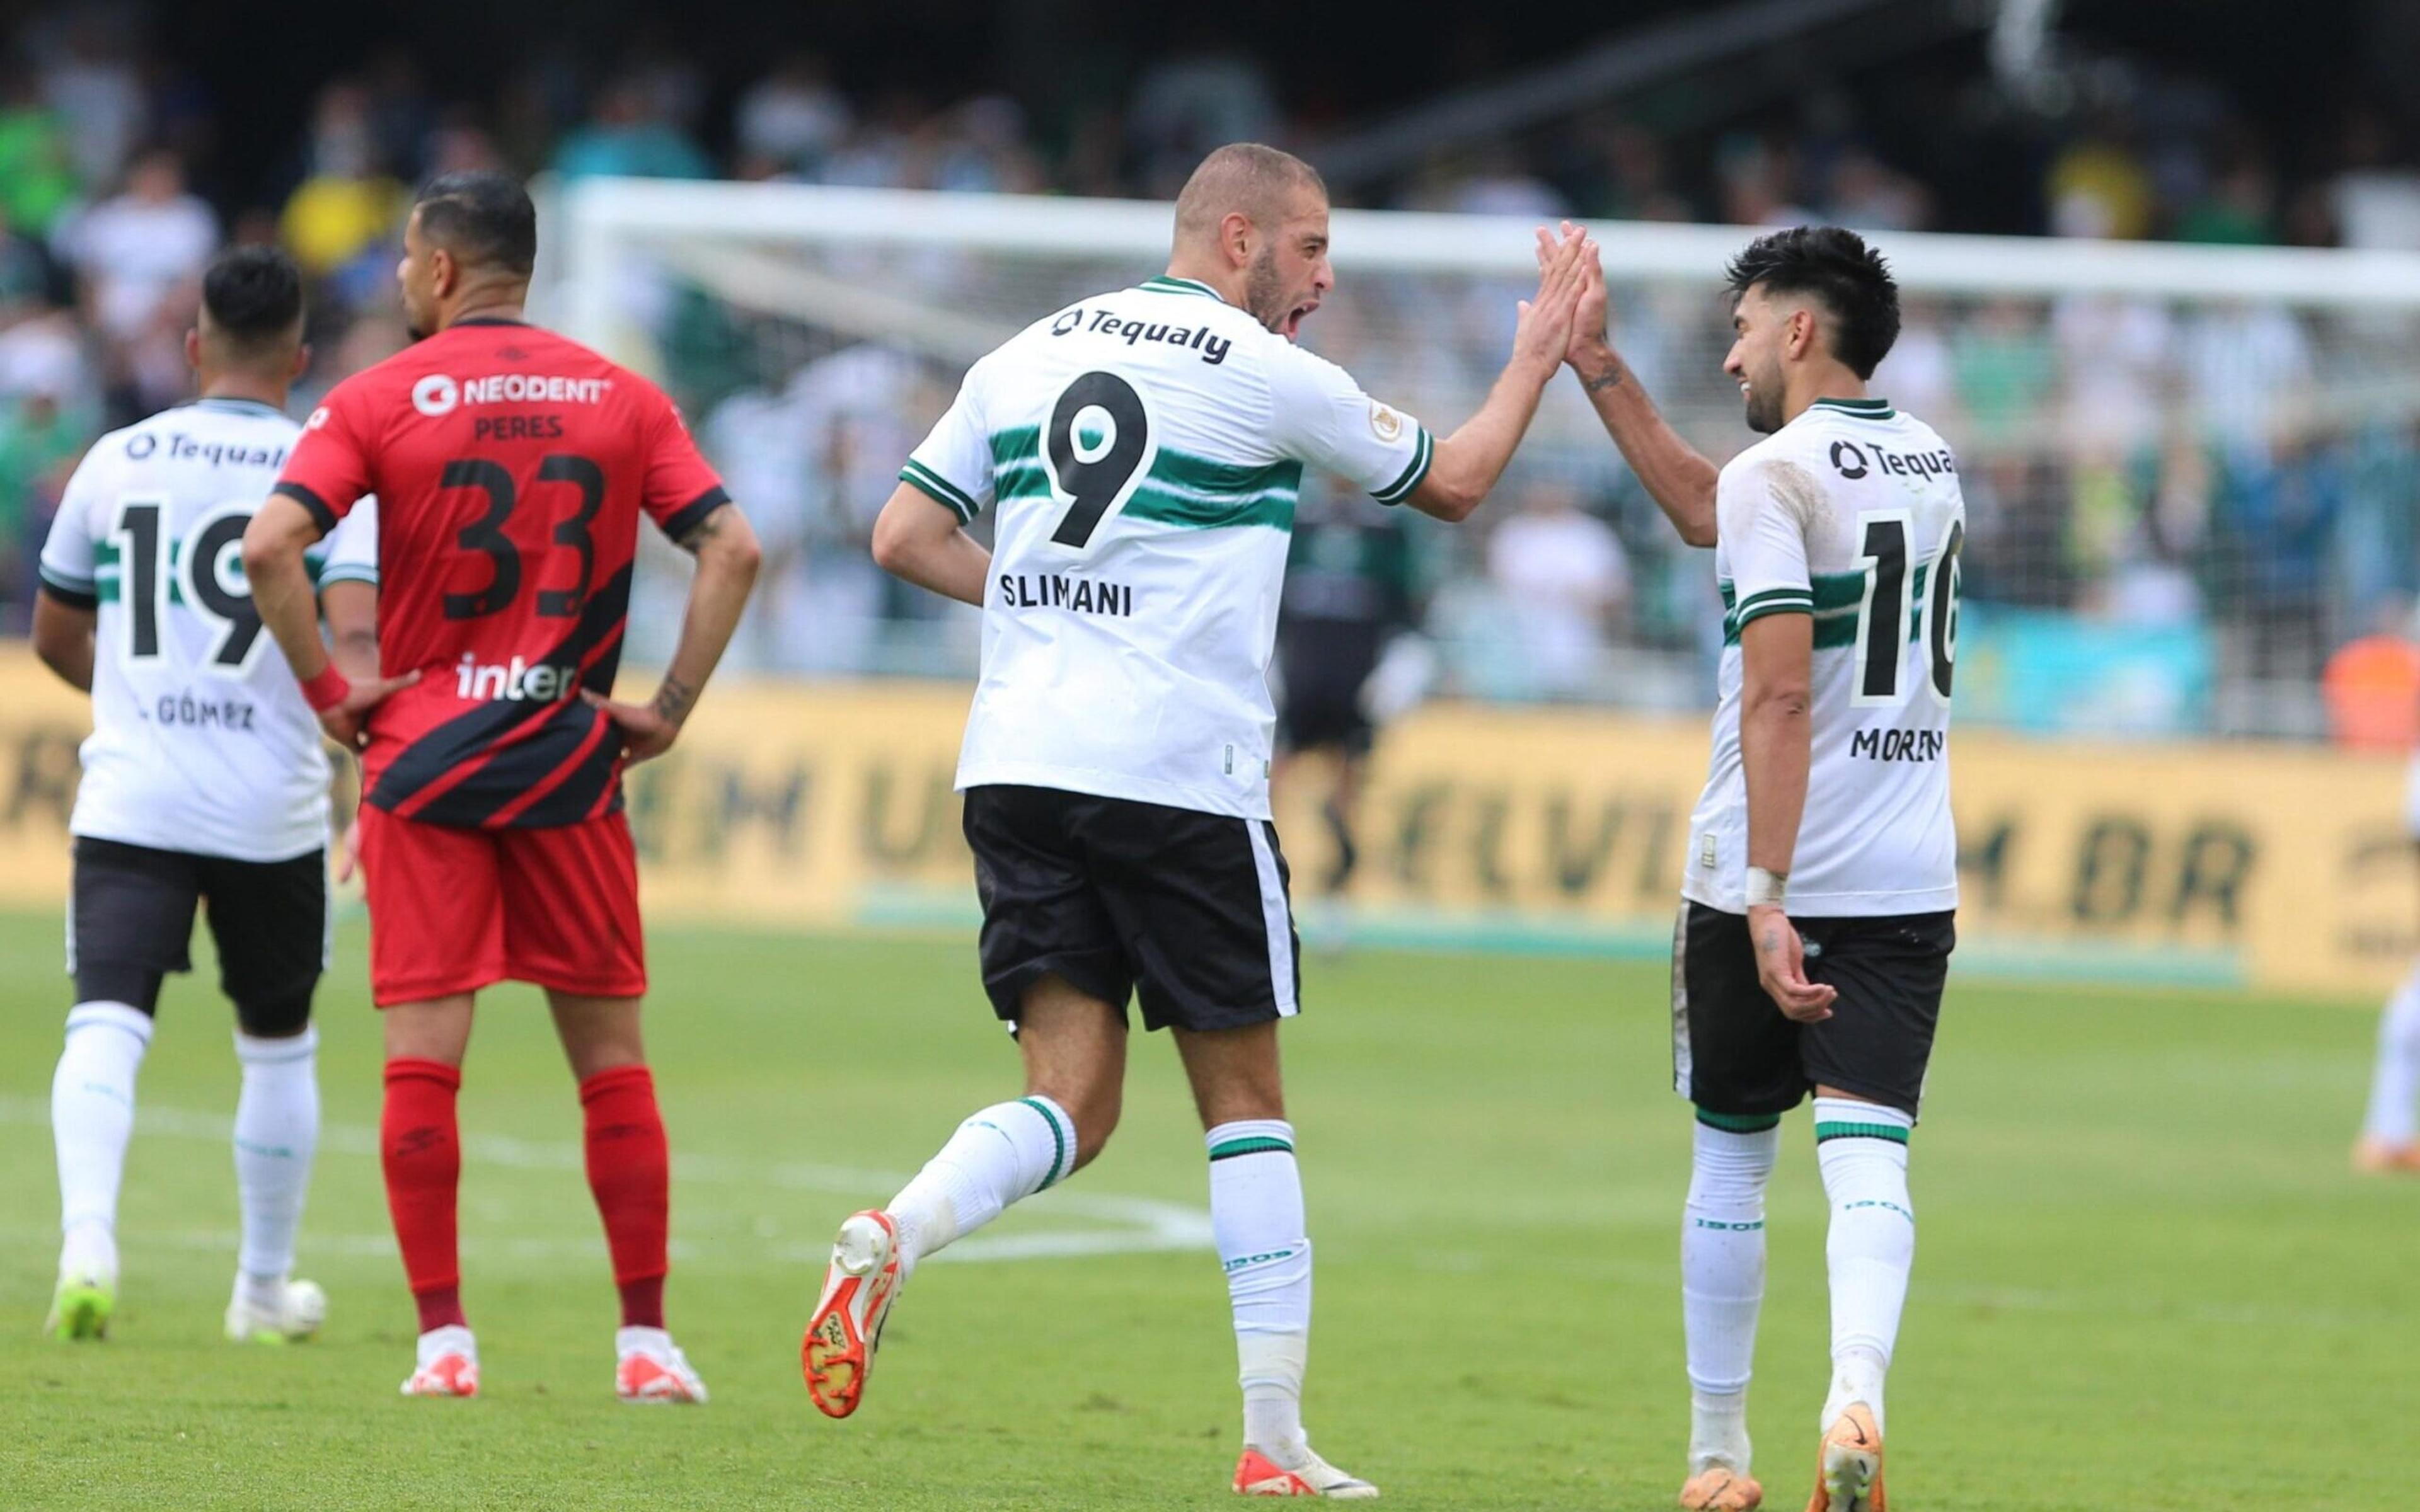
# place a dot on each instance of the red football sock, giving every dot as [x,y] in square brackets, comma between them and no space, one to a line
[421,1155]
[629,1170]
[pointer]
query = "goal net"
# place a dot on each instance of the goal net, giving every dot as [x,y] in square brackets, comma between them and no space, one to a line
[2191,474]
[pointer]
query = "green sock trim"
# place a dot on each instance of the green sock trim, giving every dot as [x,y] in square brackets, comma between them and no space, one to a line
[1057,1141]
[1740,1122]
[1256,1144]
[1891,1132]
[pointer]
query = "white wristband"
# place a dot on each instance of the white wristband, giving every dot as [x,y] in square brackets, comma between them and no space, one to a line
[1765,887]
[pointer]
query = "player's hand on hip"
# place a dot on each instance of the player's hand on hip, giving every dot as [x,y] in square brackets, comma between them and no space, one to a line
[648,732]
[1781,966]
[347,721]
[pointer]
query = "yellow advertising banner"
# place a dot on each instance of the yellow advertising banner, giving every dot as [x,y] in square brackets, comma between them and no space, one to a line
[829,805]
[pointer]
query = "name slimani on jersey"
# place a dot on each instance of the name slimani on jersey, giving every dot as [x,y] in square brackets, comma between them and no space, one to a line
[1850,513]
[201,742]
[1143,450]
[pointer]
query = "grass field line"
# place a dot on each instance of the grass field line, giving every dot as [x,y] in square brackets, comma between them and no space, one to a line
[1133,1225]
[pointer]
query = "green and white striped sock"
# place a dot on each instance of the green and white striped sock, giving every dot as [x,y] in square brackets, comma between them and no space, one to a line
[1001,1155]
[1862,1147]
[1257,1219]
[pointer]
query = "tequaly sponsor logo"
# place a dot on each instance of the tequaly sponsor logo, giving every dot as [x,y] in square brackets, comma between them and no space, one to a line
[438,394]
[514,682]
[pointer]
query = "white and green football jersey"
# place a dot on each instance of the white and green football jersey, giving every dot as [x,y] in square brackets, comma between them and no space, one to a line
[201,741]
[1143,449]
[1851,513]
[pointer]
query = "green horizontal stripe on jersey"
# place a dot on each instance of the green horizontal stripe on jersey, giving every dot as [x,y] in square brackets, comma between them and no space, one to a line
[1024,481]
[1021,444]
[1860,409]
[1423,453]
[1273,508]
[1891,1132]
[1196,492]
[944,492]
[1185,471]
[1833,631]
[1799,597]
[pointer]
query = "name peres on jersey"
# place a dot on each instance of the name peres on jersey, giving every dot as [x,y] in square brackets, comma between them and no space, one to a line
[512,466]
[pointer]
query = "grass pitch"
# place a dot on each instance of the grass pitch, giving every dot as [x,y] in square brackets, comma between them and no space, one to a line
[2144,1280]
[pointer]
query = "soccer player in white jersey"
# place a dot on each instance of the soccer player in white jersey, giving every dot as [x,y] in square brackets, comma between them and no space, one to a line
[1822,881]
[1142,452]
[203,779]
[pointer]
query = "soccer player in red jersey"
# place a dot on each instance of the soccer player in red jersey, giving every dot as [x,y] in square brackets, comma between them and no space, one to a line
[511,466]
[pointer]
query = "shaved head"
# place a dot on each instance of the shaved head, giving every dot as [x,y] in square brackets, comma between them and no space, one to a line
[1252,223]
[1242,178]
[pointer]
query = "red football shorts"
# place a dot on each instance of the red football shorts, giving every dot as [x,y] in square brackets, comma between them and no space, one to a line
[454,910]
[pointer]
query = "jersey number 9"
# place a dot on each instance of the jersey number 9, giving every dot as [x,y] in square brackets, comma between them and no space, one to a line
[1093,462]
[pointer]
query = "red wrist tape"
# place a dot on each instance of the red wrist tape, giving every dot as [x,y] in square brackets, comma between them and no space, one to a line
[326,690]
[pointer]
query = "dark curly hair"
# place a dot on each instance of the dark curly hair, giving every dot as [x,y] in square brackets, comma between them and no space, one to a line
[1847,277]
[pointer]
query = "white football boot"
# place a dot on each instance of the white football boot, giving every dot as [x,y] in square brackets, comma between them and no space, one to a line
[1259,1474]
[862,1282]
[301,1308]
[650,1368]
[448,1364]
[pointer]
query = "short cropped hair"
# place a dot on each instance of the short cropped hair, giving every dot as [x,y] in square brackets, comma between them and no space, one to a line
[254,297]
[484,218]
[1847,277]
[1242,177]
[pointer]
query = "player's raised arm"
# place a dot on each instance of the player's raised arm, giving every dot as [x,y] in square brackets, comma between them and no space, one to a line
[1676,475]
[1467,463]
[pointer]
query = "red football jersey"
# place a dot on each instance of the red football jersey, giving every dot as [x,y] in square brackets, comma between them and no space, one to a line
[511,466]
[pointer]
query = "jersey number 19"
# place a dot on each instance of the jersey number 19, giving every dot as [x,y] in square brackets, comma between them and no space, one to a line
[205,572]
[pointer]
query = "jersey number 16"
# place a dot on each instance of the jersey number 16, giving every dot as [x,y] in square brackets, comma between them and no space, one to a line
[1883,628]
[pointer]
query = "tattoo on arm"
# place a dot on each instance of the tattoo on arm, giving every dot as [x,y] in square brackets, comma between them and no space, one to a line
[704,530]
[1604,381]
[674,699]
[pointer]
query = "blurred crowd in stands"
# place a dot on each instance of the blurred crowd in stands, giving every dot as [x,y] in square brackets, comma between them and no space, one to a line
[2245,476]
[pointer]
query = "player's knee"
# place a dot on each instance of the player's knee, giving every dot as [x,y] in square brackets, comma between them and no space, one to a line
[1095,1113]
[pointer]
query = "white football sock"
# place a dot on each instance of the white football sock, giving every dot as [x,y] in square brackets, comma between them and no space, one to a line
[2395,1087]
[1722,1285]
[276,1132]
[1006,1152]
[92,1116]
[1862,1147]
[1256,1219]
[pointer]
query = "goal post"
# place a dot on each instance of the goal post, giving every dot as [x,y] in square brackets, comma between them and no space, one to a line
[2190,470]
